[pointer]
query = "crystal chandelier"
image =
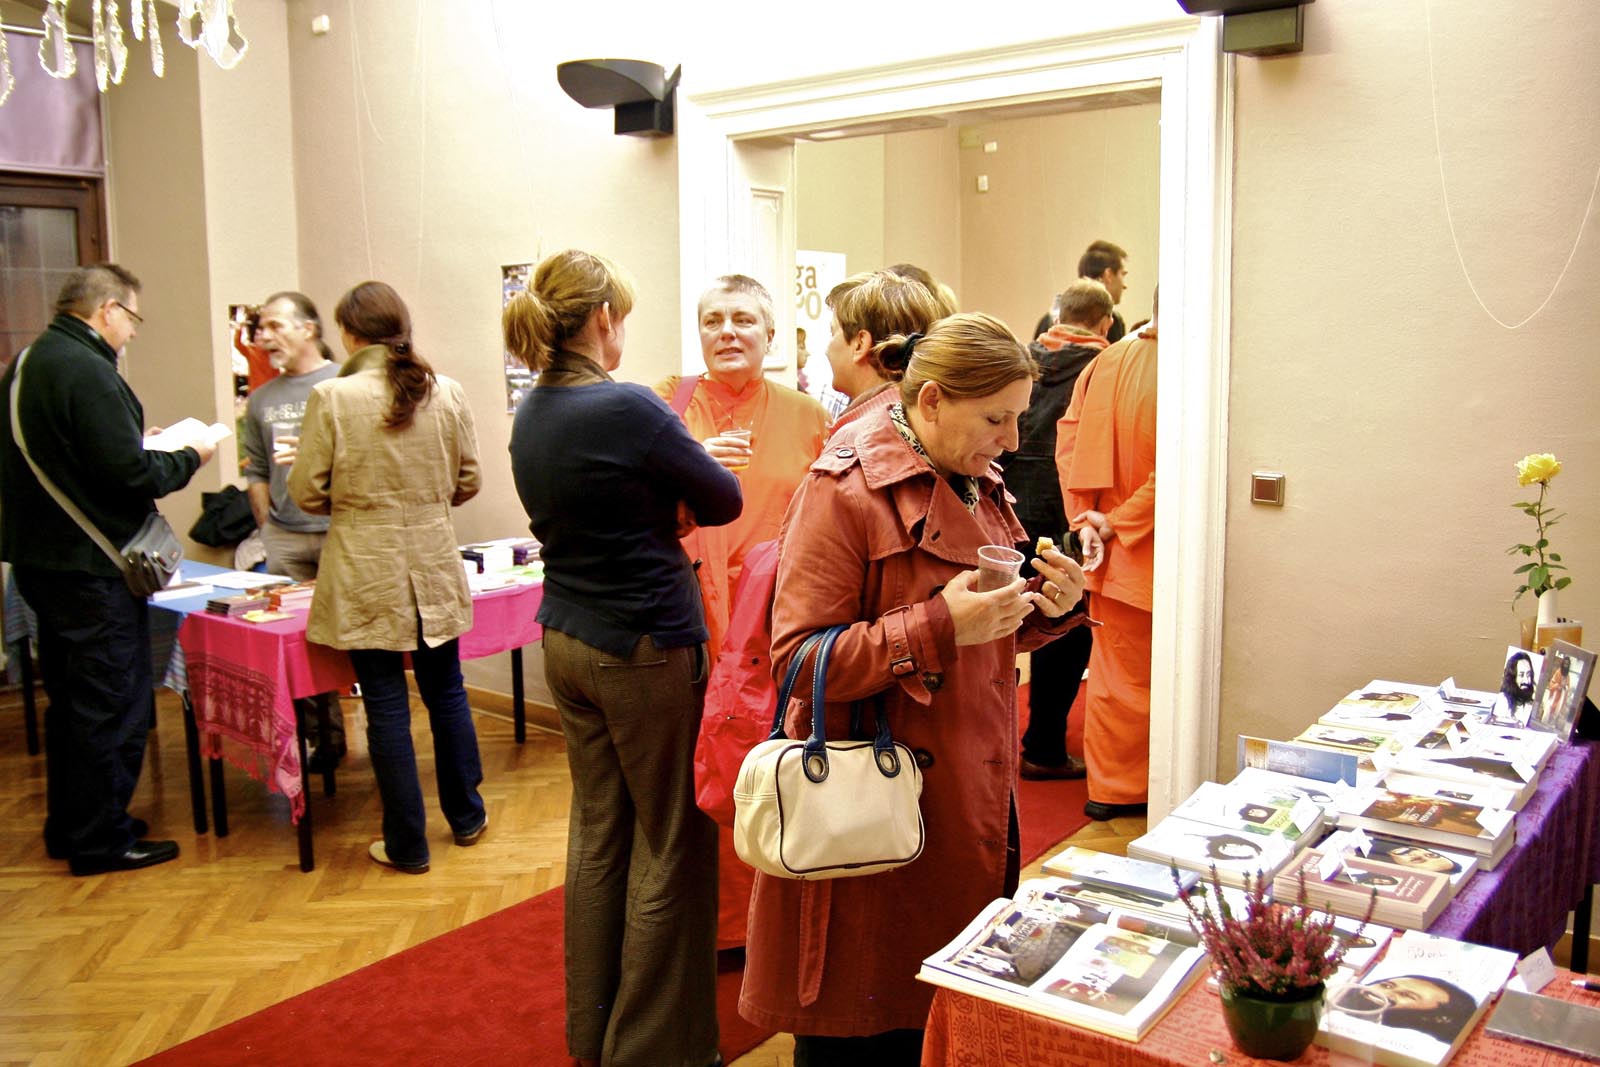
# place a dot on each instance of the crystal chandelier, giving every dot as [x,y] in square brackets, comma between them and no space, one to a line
[204,25]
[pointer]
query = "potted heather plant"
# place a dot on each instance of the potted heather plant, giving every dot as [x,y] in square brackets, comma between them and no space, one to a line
[1271,962]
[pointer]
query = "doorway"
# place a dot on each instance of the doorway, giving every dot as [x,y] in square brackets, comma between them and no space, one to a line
[738,213]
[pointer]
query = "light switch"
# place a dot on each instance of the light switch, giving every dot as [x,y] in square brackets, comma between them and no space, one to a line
[320,24]
[983,183]
[1266,487]
[991,147]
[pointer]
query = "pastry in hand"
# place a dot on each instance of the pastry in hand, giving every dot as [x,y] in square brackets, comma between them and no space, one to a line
[1042,545]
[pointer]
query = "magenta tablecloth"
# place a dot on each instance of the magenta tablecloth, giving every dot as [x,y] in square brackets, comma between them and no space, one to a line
[243,678]
[1523,903]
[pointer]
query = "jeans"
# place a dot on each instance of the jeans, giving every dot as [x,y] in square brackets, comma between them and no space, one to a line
[94,653]
[394,760]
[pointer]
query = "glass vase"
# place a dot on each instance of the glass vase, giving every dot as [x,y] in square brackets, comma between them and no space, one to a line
[1549,612]
[1272,1029]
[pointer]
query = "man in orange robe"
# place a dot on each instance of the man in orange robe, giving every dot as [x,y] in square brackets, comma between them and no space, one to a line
[1106,456]
[786,429]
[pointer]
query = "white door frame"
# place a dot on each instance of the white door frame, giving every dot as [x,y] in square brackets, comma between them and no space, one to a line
[1184,57]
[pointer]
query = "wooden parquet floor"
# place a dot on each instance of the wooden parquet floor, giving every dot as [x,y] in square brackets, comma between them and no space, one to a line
[106,970]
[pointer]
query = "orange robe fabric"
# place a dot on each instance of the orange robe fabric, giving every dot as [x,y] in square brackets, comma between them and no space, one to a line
[787,432]
[1106,456]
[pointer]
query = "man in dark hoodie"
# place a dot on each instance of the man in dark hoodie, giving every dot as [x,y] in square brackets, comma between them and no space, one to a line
[1062,352]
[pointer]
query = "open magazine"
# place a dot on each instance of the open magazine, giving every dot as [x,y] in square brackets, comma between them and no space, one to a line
[1050,953]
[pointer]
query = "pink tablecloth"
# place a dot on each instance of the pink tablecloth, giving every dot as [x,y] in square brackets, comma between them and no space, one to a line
[965,1031]
[243,678]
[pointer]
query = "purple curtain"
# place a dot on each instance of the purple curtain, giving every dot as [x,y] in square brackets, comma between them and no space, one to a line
[50,124]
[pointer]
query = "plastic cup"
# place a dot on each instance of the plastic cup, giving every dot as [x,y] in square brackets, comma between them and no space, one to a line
[283,437]
[743,436]
[998,567]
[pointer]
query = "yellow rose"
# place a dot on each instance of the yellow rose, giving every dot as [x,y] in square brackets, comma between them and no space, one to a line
[1539,467]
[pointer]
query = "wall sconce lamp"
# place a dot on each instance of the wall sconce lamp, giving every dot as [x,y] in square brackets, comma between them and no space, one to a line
[1256,27]
[641,93]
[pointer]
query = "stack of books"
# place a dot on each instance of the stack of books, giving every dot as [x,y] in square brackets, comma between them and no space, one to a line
[1399,896]
[295,596]
[1432,819]
[490,556]
[238,603]
[1418,1004]
[1199,846]
[1245,827]
[1253,806]
[1106,871]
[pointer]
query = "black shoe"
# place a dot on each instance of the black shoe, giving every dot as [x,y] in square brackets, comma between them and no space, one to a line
[325,758]
[470,838]
[1101,812]
[1073,768]
[139,827]
[139,854]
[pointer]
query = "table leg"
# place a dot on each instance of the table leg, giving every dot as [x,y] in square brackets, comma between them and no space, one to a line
[219,798]
[519,711]
[307,860]
[30,711]
[324,734]
[197,787]
[1580,931]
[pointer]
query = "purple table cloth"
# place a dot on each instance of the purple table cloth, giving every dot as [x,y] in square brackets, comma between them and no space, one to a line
[1523,903]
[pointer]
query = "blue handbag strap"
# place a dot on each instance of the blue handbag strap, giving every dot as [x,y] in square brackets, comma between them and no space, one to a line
[789,678]
[815,758]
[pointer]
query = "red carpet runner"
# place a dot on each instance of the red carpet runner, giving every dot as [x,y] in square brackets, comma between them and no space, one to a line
[490,993]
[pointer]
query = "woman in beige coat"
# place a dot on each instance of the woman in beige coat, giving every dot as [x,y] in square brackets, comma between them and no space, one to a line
[387,451]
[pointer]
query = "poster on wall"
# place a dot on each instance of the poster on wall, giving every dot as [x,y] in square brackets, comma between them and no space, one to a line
[815,274]
[519,379]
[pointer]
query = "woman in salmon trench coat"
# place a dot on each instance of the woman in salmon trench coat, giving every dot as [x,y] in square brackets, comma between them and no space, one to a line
[883,534]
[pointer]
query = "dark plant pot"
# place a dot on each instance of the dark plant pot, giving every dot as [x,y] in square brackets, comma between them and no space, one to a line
[1272,1029]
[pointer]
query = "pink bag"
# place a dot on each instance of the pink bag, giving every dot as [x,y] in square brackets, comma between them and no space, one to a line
[740,696]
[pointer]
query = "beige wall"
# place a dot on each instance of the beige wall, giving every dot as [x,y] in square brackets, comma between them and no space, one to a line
[921,201]
[839,199]
[1056,184]
[160,231]
[1363,366]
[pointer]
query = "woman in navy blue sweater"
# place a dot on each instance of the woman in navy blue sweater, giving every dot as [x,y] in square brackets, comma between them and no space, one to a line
[606,473]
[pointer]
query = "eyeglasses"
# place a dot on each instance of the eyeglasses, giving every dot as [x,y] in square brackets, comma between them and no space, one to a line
[138,319]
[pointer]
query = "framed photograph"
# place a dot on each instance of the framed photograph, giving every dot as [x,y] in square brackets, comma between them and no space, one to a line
[1519,684]
[1562,686]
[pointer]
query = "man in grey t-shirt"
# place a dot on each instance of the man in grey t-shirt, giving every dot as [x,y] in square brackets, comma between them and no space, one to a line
[290,332]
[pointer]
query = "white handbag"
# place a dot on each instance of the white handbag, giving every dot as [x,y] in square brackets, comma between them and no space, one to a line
[826,809]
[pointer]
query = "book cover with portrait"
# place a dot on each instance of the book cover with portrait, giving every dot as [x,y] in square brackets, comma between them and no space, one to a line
[1417,1005]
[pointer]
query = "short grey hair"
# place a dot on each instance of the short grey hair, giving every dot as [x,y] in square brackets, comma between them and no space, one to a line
[743,283]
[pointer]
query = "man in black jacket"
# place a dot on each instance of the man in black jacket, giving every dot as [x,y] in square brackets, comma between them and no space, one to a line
[83,427]
[1062,352]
